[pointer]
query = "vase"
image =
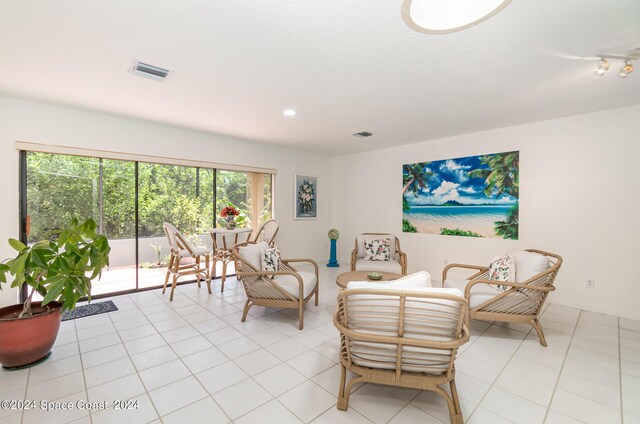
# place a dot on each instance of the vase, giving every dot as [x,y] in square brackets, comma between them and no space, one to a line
[230,222]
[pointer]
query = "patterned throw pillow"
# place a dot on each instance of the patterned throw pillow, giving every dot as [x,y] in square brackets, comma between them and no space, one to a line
[377,249]
[502,268]
[270,259]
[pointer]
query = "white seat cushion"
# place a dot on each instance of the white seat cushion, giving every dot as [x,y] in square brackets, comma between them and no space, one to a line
[390,266]
[480,293]
[251,253]
[290,283]
[528,264]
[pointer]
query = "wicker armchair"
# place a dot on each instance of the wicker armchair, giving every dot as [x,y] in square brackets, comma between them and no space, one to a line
[285,288]
[398,263]
[520,303]
[185,260]
[401,338]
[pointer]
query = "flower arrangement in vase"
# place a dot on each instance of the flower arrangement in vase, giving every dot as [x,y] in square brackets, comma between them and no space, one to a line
[229,214]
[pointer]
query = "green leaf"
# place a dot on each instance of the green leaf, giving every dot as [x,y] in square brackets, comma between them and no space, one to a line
[54,291]
[17,244]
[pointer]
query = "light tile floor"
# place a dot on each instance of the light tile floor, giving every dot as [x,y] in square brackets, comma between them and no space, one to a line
[192,360]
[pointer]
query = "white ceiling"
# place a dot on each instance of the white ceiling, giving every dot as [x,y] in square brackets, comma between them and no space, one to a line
[344,66]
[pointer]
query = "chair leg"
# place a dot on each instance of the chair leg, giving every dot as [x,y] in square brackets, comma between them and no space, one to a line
[245,311]
[456,402]
[197,268]
[207,274]
[174,283]
[343,401]
[223,276]
[300,315]
[343,404]
[316,295]
[166,277]
[538,327]
[213,268]
[454,406]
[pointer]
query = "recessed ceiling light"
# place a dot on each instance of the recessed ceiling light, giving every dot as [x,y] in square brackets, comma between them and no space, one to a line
[289,112]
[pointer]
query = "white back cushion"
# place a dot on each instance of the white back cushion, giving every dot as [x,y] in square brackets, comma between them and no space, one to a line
[528,264]
[251,253]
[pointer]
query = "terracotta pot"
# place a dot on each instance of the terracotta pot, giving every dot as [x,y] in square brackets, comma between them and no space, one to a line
[27,340]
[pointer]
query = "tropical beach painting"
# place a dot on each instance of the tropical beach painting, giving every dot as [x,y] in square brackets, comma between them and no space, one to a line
[474,196]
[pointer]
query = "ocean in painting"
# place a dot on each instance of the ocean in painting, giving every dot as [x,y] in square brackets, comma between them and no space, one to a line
[459,214]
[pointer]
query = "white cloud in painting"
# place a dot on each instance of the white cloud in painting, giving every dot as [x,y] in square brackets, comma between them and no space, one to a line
[446,191]
[505,199]
[467,190]
[453,167]
[446,187]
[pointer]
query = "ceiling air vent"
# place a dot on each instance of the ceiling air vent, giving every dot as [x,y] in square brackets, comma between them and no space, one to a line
[148,71]
[363,134]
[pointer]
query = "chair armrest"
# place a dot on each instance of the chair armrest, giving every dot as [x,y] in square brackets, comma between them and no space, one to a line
[402,259]
[354,254]
[479,268]
[467,289]
[311,261]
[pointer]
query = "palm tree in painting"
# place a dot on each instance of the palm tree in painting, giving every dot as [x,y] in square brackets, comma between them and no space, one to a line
[415,177]
[509,227]
[502,177]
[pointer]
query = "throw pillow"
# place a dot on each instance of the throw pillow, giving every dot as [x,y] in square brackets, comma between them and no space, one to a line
[502,268]
[377,249]
[270,260]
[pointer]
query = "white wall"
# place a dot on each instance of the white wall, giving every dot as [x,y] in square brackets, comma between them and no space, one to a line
[579,197]
[41,123]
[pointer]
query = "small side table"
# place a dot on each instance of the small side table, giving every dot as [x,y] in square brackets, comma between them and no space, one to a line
[345,278]
[223,243]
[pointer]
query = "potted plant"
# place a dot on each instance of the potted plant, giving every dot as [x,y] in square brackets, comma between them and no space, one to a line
[59,270]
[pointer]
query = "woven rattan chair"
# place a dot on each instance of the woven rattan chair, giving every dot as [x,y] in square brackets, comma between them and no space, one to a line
[520,303]
[401,338]
[267,232]
[285,288]
[185,260]
[398,263]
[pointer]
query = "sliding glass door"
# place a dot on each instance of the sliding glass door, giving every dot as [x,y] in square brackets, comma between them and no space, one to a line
[130,201]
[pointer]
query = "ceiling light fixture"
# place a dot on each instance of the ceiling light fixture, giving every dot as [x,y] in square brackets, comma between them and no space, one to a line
[362,134]
[627,63]
[289,112]
[626,69]
[447,16]
[603,67]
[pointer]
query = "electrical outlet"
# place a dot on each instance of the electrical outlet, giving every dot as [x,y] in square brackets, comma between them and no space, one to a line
[590,283]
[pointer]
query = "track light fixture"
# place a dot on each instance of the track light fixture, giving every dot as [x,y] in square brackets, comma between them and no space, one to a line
[603,67]
[626,69]
[627,63]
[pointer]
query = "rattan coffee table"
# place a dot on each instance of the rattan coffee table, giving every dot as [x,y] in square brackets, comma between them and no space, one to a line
[345,278]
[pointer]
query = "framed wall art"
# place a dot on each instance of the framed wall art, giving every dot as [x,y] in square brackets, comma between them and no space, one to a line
[305,196]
